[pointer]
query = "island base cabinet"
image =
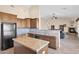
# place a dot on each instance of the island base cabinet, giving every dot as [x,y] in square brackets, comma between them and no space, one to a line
[52,39]
[43,50]
[20,49]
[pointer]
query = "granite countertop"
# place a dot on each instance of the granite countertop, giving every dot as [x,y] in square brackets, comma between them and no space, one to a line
[32,43]
[45,32]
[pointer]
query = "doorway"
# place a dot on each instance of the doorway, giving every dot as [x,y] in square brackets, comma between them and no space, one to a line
[61,27]
[52,27]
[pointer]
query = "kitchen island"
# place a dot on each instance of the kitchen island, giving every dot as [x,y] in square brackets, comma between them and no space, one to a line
[53,36]
[28,45]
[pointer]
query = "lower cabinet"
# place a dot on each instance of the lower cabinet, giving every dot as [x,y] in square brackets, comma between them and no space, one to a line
[51,39]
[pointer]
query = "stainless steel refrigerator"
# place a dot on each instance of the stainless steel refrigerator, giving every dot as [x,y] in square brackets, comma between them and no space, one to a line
[7,32]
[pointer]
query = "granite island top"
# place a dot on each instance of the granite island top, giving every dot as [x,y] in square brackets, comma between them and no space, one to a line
[55,33]
[32,43]
[45,32]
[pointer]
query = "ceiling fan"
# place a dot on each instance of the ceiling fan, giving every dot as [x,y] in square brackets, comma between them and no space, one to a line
[77,19]
[54,16]
[12,6]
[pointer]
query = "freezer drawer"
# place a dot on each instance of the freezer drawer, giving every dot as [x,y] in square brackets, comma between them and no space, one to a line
[7,43]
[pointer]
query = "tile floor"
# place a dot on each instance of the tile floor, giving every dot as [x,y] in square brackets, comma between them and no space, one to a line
[69,45]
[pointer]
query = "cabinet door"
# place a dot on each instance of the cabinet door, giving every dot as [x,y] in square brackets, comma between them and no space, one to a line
[28,23]
[0,17]
[5,17]
[12,18]
[52,40]
[24,23]
[19,23]
[33,23]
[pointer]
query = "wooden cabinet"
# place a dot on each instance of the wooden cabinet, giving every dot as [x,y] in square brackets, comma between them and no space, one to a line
[32,23]
[24,23]
[18,22]
[6,17]
[51,39]
[29,45]
[27,22]
[21,23]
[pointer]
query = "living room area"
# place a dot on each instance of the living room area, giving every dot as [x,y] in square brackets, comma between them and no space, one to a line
[65,19]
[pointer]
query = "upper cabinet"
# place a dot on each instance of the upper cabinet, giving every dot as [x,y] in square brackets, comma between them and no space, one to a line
[21,23]
[32,23]
[27,23]
[6,17]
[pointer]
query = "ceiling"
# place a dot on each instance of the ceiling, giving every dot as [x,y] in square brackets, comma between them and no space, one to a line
[14,7]
[22,11]
[64,11]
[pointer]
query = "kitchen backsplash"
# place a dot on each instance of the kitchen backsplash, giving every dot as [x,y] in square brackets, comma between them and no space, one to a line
[21,31]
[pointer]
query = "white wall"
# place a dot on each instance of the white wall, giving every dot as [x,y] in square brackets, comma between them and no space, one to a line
[34,11]
[78,28]
[47,22]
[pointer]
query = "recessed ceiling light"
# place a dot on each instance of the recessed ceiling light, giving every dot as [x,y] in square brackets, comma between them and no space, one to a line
[64,8]
[12,6]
